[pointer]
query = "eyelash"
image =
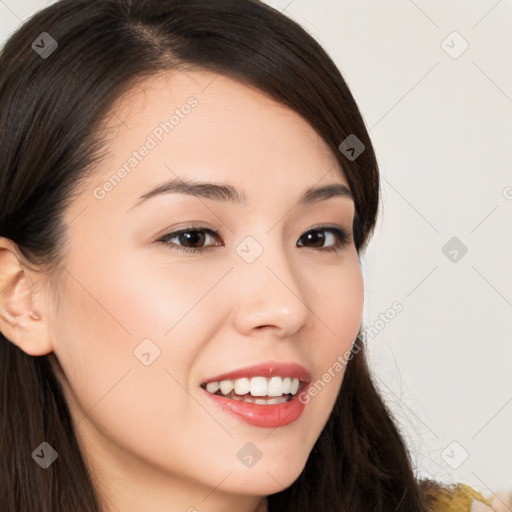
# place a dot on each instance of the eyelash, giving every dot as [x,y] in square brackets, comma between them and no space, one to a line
[343,239]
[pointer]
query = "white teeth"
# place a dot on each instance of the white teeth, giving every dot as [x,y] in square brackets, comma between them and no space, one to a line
[277,400]
[212,387]
[256,387]
[226,386]
[242,386]
[259,386]
[260,401]
[270,401]
[275,386]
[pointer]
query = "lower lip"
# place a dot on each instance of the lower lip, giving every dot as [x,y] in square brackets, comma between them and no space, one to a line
[260,415]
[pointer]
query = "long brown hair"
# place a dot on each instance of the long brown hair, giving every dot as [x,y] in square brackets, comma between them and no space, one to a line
[51,109]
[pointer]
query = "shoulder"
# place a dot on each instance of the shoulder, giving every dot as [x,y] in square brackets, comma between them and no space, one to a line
[463,498]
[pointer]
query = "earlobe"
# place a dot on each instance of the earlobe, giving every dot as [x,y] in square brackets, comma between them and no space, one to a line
[20,322]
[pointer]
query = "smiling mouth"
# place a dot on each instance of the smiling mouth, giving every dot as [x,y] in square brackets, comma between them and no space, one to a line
[259,390]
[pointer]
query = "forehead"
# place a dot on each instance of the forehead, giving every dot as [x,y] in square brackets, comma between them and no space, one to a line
[199,124]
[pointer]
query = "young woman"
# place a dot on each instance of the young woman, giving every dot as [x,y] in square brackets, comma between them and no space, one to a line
[187,188]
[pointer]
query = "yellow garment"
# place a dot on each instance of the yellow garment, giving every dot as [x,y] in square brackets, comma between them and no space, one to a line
[463,498]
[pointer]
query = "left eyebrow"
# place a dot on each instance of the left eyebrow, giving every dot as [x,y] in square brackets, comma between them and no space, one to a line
[228,193]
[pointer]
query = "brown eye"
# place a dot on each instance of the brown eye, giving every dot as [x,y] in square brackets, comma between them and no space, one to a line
[315,238]
[194,240]
[190,239]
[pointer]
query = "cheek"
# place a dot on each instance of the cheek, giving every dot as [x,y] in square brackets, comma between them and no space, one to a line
[157,297]
[338,304]
[339,308]
[134,316]
[98,331]
[107,312]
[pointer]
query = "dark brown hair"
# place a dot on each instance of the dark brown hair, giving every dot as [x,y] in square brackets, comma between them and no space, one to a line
[51,112]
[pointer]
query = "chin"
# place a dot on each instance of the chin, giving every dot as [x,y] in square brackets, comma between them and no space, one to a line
[267,478]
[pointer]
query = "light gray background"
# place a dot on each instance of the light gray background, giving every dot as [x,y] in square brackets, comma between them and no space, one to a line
[441,123]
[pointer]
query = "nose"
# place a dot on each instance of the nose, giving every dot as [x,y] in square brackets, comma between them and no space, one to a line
[271,294]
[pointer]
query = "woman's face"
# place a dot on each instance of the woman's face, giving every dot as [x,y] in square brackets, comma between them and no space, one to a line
[141,323]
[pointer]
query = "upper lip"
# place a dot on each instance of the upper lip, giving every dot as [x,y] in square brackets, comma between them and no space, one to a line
[269,369]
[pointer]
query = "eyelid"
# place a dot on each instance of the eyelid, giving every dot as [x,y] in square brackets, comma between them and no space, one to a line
[186,229]
[199,225]
[344,238]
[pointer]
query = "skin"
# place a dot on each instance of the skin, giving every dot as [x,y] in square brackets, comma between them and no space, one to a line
[151,438]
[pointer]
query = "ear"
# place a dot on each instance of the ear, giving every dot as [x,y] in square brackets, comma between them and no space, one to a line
[23,319]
